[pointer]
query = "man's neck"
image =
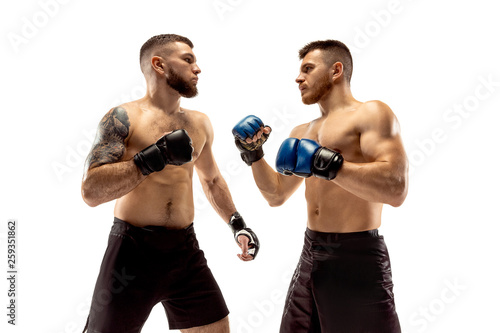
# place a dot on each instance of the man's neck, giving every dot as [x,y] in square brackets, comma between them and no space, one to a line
[339,98]
[163,97]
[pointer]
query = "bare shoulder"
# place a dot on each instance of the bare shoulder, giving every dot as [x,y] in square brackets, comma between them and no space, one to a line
[376,109]
[120,117]
[112,132]
[376,115]
[133,109]
[200,122]
[300,130]
[198,119]
[116,122]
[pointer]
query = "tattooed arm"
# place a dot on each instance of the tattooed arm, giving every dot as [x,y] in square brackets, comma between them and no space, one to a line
[107,177]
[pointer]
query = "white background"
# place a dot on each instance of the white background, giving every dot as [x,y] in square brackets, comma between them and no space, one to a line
[65,63]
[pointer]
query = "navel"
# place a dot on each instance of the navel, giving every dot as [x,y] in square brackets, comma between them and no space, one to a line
[168,209]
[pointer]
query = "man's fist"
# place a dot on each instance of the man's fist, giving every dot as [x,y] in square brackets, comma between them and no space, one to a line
[305,158]
[249,136]
[172,148]
[239,229]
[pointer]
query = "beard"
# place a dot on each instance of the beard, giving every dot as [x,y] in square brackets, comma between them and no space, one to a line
[183,87]
[318,90]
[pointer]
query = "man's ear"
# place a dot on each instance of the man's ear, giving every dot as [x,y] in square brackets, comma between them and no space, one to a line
[158,64]
[337,70]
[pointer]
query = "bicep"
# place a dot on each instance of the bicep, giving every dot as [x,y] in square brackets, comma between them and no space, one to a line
[205,164]
[380,140]
[109,144]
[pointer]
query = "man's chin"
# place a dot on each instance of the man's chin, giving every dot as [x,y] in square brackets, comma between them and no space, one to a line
[190,93]
[308,101]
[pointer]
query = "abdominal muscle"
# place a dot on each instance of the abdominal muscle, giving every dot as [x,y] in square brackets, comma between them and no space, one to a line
[332,209]
[163,199]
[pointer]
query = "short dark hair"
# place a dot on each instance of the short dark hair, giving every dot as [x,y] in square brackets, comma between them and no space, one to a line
[161,40]
[334,51]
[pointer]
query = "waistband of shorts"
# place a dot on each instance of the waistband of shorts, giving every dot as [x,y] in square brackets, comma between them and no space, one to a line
[326,237]
[152,229]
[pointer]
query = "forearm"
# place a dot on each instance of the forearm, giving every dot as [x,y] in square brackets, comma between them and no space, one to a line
[218,195]
[375,181]
[266,180]
[275,187]
[110,181]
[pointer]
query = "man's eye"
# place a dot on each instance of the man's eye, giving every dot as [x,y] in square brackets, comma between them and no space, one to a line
[188,60]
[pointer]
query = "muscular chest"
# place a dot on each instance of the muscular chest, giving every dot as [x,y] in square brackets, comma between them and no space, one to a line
[149,128]
[338,133]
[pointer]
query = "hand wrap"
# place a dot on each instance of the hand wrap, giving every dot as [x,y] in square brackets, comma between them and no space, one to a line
[238,227]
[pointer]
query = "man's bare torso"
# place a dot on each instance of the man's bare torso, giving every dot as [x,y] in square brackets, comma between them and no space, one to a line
[166,197]
[329,207]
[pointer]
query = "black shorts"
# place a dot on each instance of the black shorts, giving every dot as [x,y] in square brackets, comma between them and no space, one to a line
[145,266]
[342,284]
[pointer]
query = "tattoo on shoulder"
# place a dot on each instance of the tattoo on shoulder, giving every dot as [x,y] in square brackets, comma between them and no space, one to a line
[109,144]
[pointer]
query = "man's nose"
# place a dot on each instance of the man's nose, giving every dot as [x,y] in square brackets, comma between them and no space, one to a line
[196,69]
[299,79]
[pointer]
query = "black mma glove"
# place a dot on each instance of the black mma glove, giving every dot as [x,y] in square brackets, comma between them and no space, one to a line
[173,148]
